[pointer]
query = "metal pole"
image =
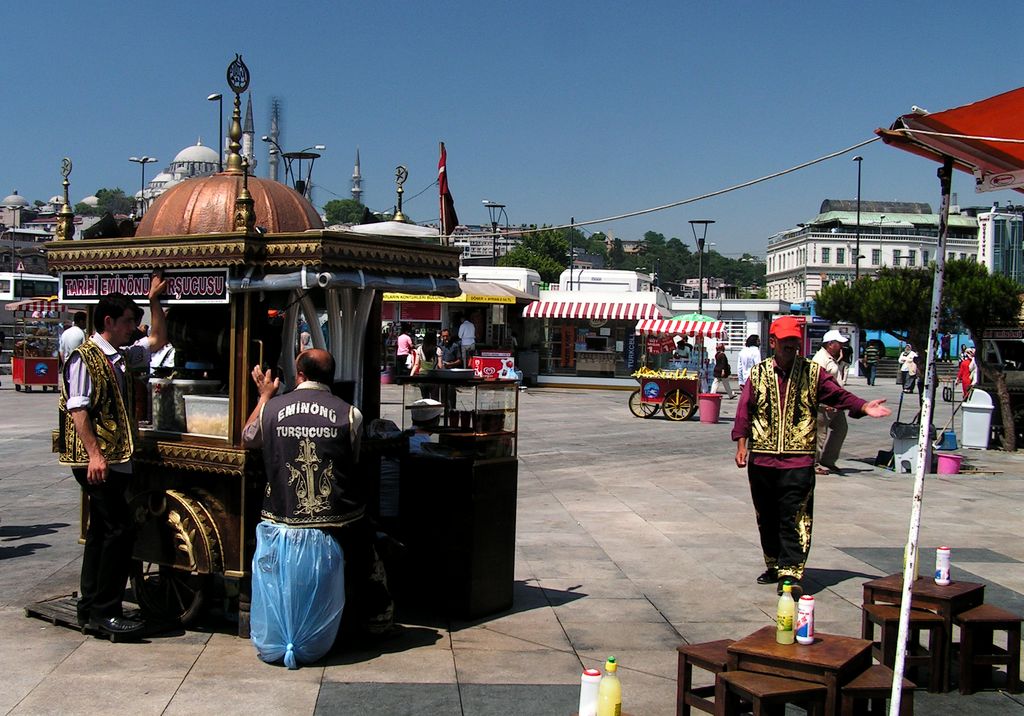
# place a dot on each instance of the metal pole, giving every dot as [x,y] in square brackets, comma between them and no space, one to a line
[700,276]
[856,269]
[924,446]
[572,250]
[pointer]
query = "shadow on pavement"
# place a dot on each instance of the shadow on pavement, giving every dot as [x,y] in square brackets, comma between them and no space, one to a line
[817,579]
[9,533]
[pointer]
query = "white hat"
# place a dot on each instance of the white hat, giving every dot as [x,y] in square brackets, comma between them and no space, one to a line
[834,335]
[426,409]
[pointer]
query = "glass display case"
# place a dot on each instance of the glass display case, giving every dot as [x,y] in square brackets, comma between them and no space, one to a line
[480,418]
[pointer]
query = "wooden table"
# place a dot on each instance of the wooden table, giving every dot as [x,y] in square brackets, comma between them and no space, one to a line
[831,660]
[946,601]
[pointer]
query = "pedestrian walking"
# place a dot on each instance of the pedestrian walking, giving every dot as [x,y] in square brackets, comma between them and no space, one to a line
[748,358]
[872,355]
[832,425]
[722,372]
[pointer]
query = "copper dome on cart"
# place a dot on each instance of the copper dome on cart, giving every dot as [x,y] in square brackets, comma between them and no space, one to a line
[205,205]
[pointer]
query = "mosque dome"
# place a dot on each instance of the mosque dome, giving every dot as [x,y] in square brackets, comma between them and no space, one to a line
[197,153]
[91,201]
[205,205]
[15,200]
[56,200]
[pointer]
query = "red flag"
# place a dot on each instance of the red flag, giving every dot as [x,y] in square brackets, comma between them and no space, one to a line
[449,219]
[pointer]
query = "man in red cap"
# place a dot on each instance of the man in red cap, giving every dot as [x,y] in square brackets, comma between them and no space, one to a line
[776,438]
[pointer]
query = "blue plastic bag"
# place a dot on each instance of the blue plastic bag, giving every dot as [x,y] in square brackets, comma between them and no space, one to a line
[298,593]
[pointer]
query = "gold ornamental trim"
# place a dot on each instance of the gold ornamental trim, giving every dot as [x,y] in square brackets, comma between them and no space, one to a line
[183,252]
[184,456]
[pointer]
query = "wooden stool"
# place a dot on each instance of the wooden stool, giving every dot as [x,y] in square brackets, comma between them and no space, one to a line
[978,649]
[875,687]
[710,656]
[888,618]
[762,690]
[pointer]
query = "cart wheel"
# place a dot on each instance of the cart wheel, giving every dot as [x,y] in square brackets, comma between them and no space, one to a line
[639,408]
[679,405]
[168,595]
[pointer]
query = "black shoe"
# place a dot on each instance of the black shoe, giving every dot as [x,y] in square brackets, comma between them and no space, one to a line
[116,626]
[768,576]
[795,587]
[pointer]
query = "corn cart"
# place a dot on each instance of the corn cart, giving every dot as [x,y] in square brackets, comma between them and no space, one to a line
[680,371]
[245,259]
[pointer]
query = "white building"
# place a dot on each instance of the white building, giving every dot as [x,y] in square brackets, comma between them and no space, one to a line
[1001,242]
[803,260]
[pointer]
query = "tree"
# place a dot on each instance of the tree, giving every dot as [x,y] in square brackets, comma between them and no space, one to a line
[545,251]
[897,302]
[113,200]
[344,211]
[981,300]
[617,256]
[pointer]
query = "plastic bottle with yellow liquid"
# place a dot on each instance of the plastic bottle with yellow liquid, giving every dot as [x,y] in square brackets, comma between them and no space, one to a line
[609,691]
[784,614]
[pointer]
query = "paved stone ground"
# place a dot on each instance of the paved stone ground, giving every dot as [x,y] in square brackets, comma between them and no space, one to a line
[633,536]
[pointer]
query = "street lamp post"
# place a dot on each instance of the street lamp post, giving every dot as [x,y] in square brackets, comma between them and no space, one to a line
[142,162]
[219,98]
[301,185]
[856,264]
[494,210]
[881,256]
[703,223]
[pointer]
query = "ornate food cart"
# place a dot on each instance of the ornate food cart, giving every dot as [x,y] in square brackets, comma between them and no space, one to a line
[244,258]
[672,387]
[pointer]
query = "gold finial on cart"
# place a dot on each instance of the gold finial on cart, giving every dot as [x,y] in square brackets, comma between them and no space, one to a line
[238,81]
[66,215]
[401,174]
[245,215]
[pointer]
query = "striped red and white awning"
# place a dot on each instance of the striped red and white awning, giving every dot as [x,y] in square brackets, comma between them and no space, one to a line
[710,329]
[619,310]
[37,304]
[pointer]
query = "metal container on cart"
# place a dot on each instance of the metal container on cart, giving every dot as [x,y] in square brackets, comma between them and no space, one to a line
[235,299]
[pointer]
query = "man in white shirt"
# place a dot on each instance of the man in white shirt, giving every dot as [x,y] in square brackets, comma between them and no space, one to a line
[94,392]
[832,425]
[467,336]
[73,337]
[748,358]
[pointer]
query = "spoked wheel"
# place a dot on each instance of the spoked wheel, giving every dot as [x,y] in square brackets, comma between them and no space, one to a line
[679,405]
[640,408]
[167,594]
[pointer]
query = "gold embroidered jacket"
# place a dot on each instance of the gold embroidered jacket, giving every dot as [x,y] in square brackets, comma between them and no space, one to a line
[788,426]
[107,411]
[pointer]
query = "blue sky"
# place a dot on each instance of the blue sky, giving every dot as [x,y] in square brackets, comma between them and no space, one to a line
[556,109]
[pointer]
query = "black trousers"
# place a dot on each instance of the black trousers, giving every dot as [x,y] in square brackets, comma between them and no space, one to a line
[784,505]
[106,561]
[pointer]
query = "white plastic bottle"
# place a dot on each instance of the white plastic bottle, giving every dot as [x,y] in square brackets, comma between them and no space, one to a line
[589,683]
[609,691]
[942,555]
[805,620]
[784,614]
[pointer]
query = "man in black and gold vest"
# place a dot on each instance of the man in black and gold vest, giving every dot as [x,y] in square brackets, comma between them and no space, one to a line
[96,439]
[776,421]
[310,443]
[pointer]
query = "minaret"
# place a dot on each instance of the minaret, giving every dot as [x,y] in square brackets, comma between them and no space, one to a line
[248,133]
[275,135]
[357,181]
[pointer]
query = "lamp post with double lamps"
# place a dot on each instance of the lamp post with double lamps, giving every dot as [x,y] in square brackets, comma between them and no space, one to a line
[856,265]
[304,185]
[219,99]
[494,210]
[142,162]
[703,223]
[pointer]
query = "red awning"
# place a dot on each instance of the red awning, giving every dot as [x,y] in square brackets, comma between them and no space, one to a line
[710,329]
[585,309]
[995,164]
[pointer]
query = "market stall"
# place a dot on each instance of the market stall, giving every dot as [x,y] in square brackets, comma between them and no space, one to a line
[672,373]
[245,260]
[35,362]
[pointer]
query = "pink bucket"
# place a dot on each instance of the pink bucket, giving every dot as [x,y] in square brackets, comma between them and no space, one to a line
[949,464]
[710,404]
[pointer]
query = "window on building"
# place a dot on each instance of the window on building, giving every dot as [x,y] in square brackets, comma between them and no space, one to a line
[963,257]
[950,256]
[924,257]
[826,255]
[876,257]
[911,258]
[896,256]
[840,256]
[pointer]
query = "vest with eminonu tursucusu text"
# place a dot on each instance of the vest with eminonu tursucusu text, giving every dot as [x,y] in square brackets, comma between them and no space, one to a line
[789,426]
[308,456]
